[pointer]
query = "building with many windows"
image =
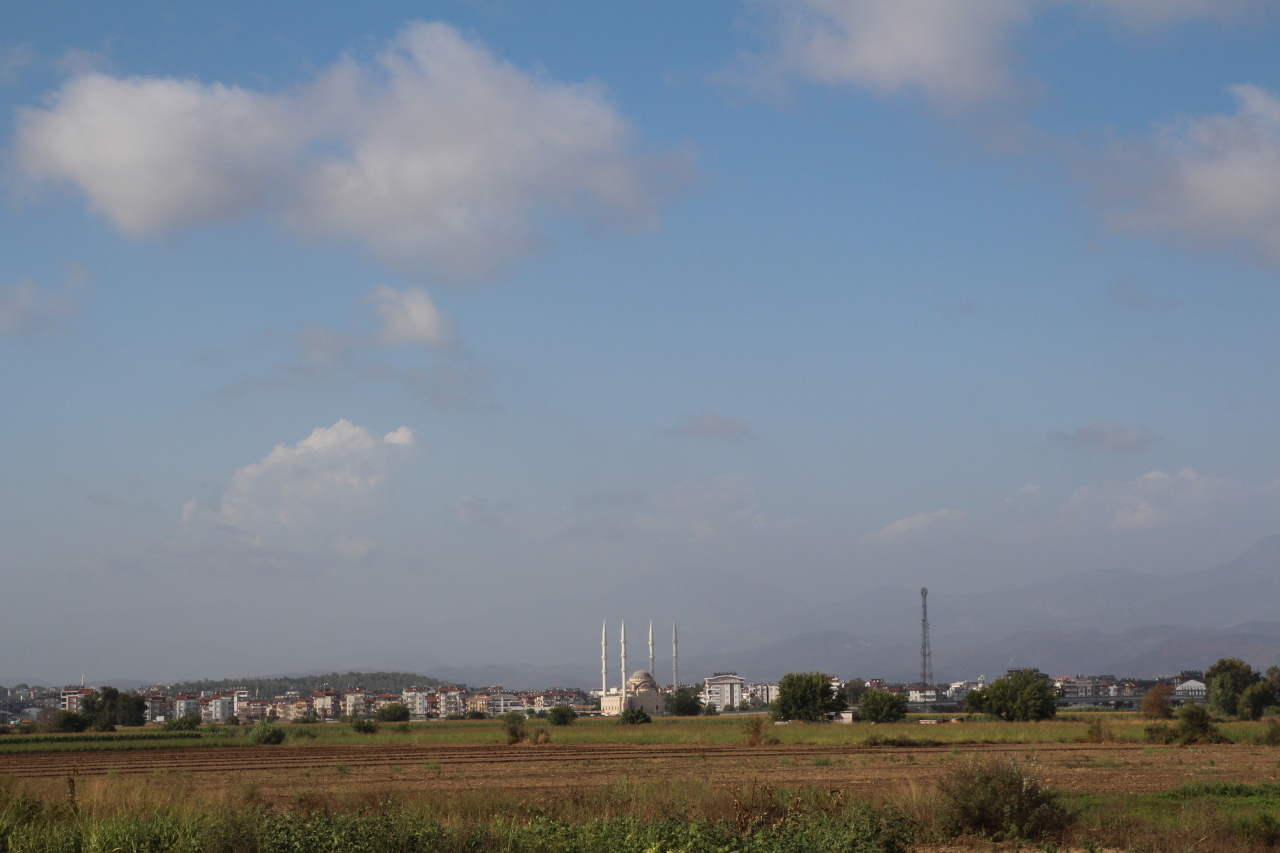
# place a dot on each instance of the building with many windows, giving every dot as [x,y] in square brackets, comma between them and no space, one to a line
[723,691]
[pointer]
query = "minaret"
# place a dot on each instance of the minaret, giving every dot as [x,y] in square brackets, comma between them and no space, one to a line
[651,647]
[604,660]
[623,706]
[675,658]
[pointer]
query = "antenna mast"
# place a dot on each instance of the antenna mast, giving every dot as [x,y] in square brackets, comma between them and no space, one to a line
[926,657]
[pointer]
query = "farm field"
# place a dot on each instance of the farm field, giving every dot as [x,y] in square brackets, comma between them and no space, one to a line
[464,776]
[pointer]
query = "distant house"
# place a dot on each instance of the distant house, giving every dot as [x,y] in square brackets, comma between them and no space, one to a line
[186,704]
[326,704]
[1191,690]
[71,698]
[723,691]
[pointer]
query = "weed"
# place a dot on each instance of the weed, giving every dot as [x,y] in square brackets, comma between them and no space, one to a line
[755,729]
[432,766]
[341,768]
[999,799]
[364,726]
[264,733]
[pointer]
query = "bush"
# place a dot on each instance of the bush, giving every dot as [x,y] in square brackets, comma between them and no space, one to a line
[513,726]
[758,731]
[68,721]
[634,717]
[1194,726]
[562,715]
[188,723]
[1155,704]
[477,715]
[1023,696]
[806,696]
[1270,736]
[364,727]
[304,720]
[396,712]
[685,702]
[882,706]
[1254,701]
[233,720]
[265,733]
[999,799]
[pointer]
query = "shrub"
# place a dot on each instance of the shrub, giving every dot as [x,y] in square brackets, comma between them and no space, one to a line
[233,720]
[710,711]
[634,717]
[882,706]
[1155,704]
[477,715]
[1270,736]
[188,723]
[513,726]
[266,733]
[757,731]
[69,721]
[806,696]
[1258,830]
[1254,701]
[999,799]
[396,712]
[1023,696]
[543,736]
[685,702]
[304,720]
[1194,726]
[562,715]
[1099,732]
[364,726]
[5,730]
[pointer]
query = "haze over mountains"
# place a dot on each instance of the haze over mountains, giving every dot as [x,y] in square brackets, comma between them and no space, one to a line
[1116,622]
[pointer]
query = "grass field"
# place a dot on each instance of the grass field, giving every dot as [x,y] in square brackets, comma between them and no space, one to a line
[1069,728]
[687,784]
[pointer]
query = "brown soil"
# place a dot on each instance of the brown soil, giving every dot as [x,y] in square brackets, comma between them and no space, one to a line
[278,773]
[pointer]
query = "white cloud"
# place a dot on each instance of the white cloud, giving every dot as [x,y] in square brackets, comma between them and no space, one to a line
[956,54]
[410,317]
[1106,435]
[26,308]
[711,425]
[302,488]
[915,524]
[438,156]
[1157,500]
[1213,180]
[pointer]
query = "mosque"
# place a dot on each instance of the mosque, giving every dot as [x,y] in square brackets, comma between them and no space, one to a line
[639,690]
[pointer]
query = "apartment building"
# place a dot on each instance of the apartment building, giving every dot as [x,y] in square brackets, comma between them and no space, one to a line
[723,691]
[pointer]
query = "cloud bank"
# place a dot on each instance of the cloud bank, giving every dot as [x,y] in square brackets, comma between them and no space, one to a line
[1105,435]
[437,157]
[301,495]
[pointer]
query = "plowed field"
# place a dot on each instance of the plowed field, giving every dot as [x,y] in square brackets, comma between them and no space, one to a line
[279,773]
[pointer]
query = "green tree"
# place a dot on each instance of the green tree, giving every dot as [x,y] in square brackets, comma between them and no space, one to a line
[1022,696]
[1226,680]
[396,712]
[1254,701]
[69,721]
[562,715]
[806,696]
[634,717]
[513,726]
[854,689]
[882,706]
[685,702]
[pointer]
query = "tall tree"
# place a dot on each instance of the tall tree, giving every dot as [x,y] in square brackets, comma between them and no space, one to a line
[1021,696]
[1226,680]
[807,696]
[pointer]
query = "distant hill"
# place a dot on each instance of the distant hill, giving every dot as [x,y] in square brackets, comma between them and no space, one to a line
[374,682]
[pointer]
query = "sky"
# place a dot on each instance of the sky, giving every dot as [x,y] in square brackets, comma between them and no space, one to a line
[424,334]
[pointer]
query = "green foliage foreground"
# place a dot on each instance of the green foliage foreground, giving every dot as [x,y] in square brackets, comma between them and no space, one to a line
[33,827]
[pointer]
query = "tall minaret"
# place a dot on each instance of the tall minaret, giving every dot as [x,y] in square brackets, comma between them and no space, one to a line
[604,660]
[675,658]
[623,706]
[651,647]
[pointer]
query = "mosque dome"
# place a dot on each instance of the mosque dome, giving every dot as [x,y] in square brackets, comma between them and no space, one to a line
[641,680]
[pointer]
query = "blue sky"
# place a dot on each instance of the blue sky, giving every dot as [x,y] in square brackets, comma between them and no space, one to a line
[436,313]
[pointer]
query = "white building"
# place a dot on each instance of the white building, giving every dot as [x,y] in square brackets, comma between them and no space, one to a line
[420,701]
[762,694]
[642,694]
[1193,690]
[959,689]
[217,708]
[504,703]
[723,691]
[922,694]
